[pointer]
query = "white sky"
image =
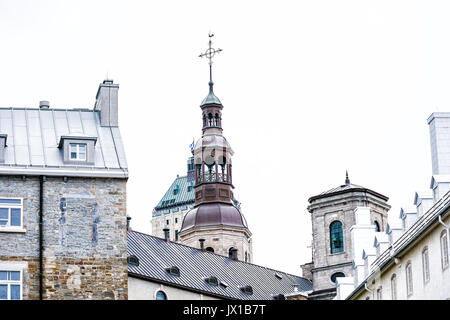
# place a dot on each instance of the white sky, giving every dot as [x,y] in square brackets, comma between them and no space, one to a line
[310,89]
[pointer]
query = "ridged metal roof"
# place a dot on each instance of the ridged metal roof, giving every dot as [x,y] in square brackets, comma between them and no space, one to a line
[155,255]
[34,135]
[183,196]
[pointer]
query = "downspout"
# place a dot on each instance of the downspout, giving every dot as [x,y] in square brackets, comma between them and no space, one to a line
[41,209]
[367,288]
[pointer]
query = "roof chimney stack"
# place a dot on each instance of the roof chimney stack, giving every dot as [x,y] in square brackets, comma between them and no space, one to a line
[166,234]
[107,103]
[128,223]
[44,104]
[202,244]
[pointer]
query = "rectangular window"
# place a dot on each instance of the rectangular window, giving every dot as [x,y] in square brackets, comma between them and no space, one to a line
[176,235]
[77,151]
[394,287]
[167,222]
[176,220]
[10,285]
[10,213]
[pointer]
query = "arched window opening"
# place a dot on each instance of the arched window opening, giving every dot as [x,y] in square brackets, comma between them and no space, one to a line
[336,237]
[336,275]
[209,249]
[425,265]
[394,287]
[409,279]
[216,120]
[377,226]
[210,119]
[232,253]
[246,257]
[160,295]
[204,120]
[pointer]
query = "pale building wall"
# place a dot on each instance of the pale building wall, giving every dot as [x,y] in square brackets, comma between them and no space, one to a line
[437,288]
[175,223]
[139,289]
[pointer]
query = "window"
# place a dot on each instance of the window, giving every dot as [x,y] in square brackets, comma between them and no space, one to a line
[247,290]
[160,295]
[176,219]
[394,287]
[444,249]
[175,271]
[336,275]
[10,285]
[409,279]
[10,213]
[77,151]
[176,190]
[189,188]
[176,235]
[133,261]
[379,293]
[167,222]
[212,281]
[336,237]
[377,226]
[209,249]
[425,265]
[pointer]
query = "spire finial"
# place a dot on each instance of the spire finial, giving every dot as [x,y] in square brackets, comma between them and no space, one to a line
[209,53]
[347,180]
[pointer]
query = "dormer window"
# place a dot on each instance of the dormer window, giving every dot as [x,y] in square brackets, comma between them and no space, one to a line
[212,281]
[133,261]
[247,290]
[78,151]
[174,271]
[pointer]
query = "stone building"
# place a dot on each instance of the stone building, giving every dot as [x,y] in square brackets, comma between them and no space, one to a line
[63,177]
[215,218]
[332,218]
[181,272]
[410,259]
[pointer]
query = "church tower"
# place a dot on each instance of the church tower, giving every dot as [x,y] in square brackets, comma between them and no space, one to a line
[215,223]
[332,217]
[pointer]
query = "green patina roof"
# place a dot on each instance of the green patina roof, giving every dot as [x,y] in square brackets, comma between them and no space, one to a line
[182,196]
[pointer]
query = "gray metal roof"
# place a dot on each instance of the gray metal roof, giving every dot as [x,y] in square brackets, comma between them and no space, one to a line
[155,254]
[34,135]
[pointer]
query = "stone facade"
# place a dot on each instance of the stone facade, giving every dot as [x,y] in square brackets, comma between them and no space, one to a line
[175,217]
[338,206]
[84,252]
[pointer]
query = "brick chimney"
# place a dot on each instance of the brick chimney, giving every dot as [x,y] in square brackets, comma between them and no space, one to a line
[107,103]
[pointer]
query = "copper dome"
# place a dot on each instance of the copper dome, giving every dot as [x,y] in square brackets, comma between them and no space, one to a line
[212,214]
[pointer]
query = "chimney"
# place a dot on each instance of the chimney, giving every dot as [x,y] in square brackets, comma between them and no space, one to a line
[202,243]
[128,223]
[166,234]
[107,103]
[44,104]
[233,252]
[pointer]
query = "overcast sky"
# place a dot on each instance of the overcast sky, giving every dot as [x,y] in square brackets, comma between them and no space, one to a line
[309,88]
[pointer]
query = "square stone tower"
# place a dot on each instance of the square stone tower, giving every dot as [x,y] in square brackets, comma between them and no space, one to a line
[332,216]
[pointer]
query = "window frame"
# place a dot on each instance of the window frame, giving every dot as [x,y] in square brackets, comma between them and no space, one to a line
[8,227]
[380,293]
[394,287]
[12,282]
[444,249]
[409,279]
[158,291]
[77,152]
[426,265]
[332,249]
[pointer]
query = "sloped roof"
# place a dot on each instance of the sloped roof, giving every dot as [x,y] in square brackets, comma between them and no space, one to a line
[183,196]
[155,254]
[348,187]
[34,135]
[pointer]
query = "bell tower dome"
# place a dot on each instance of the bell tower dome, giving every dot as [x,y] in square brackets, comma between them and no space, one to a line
[215,217]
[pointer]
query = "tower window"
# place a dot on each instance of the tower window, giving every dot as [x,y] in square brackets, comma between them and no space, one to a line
[377,226]
[176,235]
[176,190]
[336,275]
[336,237]
[209,249]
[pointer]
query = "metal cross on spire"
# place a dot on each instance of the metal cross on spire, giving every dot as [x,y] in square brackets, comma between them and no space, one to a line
[209,53]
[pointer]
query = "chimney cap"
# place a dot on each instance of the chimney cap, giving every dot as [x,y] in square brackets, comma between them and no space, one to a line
[44,104]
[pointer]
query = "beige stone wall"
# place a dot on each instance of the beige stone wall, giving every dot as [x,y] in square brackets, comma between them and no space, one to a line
[175,222]
[146,290]
[221,239]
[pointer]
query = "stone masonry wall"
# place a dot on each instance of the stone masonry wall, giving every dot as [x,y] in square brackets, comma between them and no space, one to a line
[84,233]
